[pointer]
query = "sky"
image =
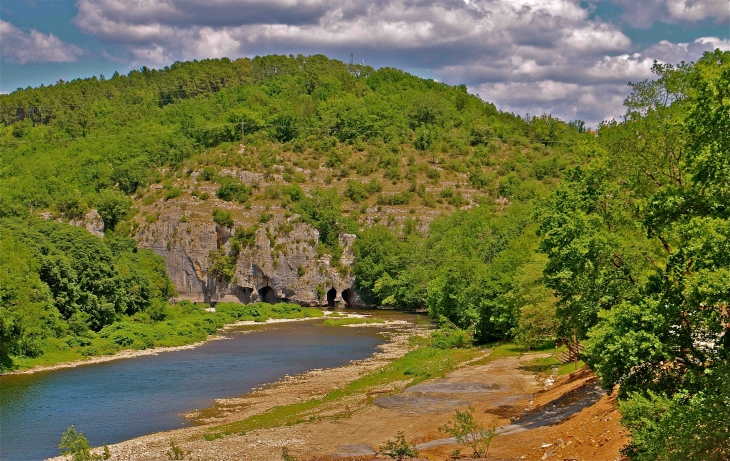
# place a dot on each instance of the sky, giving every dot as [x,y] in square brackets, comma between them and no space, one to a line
[569,58]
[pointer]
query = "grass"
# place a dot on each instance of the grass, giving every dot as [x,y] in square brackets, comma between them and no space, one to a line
[544,365]
[417,365]
[500,351]
[352,321]
[179,325]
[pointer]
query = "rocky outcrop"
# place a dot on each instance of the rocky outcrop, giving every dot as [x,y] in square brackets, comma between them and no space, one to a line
[92,222]
[282,265]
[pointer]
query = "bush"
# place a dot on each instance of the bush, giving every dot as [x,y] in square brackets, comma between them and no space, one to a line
[74,443]
[466,430]
[113,206]
[222,217]
[173,192]
[449,336]
[231,190]
[398,448]
[208,174]
[355,191]
[158,310]
[401,198]
[480,135]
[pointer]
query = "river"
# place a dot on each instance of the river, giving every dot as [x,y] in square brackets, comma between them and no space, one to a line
[122,399]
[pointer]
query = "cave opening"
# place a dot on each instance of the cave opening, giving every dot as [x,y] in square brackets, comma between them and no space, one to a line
[267,295]
[331,296]
[347,296]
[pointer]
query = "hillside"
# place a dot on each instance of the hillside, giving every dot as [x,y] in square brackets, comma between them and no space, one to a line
[327,147]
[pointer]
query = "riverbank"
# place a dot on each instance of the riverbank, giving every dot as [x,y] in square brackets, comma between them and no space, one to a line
[221,322]
[347,412]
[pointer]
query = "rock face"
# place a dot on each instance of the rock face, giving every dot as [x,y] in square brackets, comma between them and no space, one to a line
[92,222]
[281,266]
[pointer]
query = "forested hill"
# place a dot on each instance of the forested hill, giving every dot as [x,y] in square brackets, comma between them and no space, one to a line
[344,147]
[70,145]
[517,228]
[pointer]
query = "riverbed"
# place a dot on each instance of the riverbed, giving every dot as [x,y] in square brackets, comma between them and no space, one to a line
[118,400]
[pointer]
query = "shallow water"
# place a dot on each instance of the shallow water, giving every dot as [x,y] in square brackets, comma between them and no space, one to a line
[118,400]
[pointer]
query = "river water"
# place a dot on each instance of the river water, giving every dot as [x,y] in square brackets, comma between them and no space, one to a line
[122,399]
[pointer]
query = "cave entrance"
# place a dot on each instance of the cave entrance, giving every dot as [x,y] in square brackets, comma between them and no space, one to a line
[243,294]
[347,296]
[267,295]
[331,295]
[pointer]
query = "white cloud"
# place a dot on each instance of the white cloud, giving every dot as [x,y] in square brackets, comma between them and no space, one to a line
[525,55]
[21,47]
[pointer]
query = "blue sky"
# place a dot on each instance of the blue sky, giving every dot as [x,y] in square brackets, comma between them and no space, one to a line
[566,57]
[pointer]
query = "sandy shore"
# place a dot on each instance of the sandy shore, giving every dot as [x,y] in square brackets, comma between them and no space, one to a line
[131,353]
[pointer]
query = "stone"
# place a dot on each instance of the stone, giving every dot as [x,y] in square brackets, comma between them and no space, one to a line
[262,273]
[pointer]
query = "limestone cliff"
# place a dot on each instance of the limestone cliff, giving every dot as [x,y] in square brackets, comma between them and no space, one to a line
[282,264]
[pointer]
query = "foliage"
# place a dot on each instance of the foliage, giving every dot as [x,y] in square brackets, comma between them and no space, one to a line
[464,269]
[222,217]
[638,257]
[74,443]
[322,210]
[468,431]
[160,325]
[449,336]
[398,449]
[58,278]
[175,452]
[230,189]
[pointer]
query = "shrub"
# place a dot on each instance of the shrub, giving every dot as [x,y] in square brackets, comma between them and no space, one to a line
[245,236]
[208,174]
[457,200]
[175,452]
[74,443]
[355,191]
[402,198]
[231,190]
[398,448]
[374,186]
[449,336]
[158,310]
[467,431]
[480,135]
[173,192]
[222,217]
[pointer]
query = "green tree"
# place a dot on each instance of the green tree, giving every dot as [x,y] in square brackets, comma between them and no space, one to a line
[322,210]
[113,206]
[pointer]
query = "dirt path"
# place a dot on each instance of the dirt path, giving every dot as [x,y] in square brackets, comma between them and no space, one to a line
[573,419]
